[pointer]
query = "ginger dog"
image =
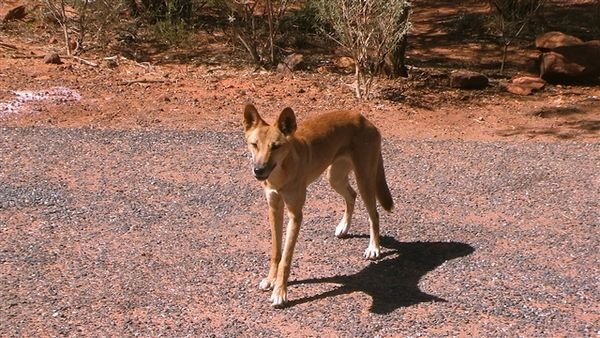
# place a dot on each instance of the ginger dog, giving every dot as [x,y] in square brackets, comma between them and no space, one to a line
[287,158]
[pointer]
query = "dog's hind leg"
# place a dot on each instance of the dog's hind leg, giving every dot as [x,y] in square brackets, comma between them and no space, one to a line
[368,196]
[365,172]
[338,179]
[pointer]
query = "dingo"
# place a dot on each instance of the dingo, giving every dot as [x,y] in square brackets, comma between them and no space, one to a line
[286,159]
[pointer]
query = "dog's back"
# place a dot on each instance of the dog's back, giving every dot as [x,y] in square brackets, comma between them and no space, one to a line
[335,134]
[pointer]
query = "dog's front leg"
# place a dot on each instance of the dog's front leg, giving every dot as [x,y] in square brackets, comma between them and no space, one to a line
[279,296]
[276,220]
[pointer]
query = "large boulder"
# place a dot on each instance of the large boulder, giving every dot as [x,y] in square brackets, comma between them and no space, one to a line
[567,59]
[549,41]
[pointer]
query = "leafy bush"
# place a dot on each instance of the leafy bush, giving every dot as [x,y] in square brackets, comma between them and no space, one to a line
[154,11]
[171,32]
[304,19]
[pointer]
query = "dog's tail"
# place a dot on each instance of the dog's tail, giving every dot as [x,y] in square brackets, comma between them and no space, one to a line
[383,191]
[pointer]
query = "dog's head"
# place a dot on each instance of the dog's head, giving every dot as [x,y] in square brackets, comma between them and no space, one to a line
[268,144]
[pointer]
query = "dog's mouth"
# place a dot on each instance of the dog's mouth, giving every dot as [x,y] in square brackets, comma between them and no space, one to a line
[262,173]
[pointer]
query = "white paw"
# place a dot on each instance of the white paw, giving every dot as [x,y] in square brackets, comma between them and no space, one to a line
[266,284]
[278,297]
[342,229]
[372,252]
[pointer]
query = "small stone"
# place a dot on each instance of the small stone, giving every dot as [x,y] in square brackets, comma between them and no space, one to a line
[525,85]
[291,63]
[466,79]
[111,63]
[52,58]
[17,13]
[345,62]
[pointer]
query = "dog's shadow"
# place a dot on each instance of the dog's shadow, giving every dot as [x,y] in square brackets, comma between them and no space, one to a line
[393,281]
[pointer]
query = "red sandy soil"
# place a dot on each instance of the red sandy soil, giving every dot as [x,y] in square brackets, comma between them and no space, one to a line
[203,93]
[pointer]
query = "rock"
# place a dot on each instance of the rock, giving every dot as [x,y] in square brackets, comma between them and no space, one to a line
[17,13]
[575,63]
[552,40]
[567,59]
[52,58]
[525,85]
[111,63]
[291,63]
[73,45]
[555,67]
[465,79]
[345,62]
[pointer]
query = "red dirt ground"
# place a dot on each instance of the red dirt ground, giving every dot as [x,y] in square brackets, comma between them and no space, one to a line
[201,94]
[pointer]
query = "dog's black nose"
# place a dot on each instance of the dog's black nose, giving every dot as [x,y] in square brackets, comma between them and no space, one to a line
[260,171]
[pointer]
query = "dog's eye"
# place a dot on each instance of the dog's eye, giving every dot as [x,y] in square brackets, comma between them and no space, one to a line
[254,145]
[275,146]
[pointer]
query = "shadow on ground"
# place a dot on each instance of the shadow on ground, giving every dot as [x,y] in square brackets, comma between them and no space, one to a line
[567,130]
[393,281]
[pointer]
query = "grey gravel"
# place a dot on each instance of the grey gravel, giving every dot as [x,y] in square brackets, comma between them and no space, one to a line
[164,233]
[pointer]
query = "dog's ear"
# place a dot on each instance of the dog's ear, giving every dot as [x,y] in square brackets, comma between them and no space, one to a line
[251,117]
[286,122]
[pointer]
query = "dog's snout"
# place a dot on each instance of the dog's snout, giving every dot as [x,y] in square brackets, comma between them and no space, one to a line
[260,171]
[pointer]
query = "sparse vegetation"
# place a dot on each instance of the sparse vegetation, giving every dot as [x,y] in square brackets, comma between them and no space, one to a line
[514,16]
[369,30]
[84,22]
[255,25]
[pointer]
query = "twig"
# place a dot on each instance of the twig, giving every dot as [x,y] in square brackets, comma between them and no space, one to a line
[84,61]
[130,82]
[145,65]
[6,45]
[27,56]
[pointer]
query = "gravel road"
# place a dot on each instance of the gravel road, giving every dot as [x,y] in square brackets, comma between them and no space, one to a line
[164,233]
